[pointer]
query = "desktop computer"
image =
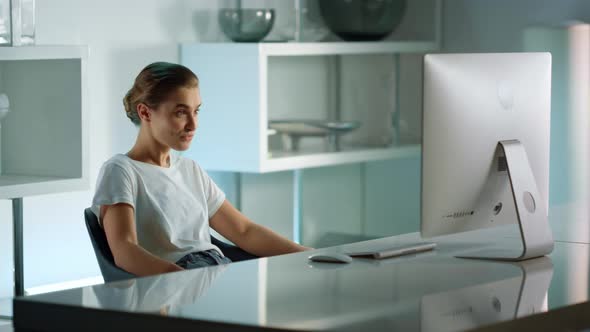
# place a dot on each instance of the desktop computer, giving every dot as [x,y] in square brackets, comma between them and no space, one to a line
[485,148]
[485,153]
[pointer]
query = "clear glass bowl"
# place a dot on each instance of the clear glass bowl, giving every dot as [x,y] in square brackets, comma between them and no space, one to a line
[246,25]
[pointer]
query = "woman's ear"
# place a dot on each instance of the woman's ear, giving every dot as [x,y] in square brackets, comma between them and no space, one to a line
[144,112]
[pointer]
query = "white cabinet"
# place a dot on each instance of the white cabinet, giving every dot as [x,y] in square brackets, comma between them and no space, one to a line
[44,137]
[247,87]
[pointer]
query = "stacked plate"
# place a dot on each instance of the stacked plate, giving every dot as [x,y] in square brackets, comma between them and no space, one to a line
[296,129]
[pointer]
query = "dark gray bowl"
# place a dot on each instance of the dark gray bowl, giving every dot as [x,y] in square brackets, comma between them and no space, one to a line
[246,25]
[362,20]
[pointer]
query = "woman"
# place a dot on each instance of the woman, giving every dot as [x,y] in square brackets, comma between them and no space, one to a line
[156,207]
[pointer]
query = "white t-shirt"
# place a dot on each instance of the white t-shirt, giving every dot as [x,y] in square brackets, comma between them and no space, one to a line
[172,205]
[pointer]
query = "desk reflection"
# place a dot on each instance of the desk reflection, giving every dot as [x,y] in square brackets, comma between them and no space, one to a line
[164,294]
[501,300]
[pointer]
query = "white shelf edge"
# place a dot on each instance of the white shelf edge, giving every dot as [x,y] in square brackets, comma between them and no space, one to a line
[338,158]
[45,186]
[344,48]
[43,52]
[330,48]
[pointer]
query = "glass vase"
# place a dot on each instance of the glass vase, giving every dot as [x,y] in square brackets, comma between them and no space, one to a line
[23,22]
[5,29]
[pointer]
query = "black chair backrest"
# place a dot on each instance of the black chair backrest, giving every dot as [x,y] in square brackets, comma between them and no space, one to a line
[110,271]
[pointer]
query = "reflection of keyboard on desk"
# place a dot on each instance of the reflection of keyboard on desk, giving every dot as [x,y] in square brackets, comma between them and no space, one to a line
[396,250]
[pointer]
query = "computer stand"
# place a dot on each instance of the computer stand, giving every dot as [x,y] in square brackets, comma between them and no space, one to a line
[530,207]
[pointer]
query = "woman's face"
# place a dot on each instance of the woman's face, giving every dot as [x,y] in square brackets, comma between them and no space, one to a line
[175,121]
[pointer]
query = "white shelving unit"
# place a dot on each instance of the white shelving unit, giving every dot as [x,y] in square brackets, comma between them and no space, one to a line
[246,85]
[43,139]
[243,89]
[44,145]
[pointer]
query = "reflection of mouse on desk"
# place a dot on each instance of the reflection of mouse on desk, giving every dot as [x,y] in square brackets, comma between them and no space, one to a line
[330,258]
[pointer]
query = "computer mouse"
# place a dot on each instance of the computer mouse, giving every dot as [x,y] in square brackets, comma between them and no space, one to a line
[332,257]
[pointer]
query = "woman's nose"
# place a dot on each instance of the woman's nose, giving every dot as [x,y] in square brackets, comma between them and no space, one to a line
[192,123]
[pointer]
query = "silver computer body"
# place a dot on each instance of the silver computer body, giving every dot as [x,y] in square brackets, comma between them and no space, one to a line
[471,103]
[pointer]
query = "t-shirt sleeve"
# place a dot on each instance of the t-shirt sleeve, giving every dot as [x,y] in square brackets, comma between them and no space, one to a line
[213,194]
[114,185]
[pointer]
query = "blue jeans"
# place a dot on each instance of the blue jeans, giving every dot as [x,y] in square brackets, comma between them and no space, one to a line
[201,259]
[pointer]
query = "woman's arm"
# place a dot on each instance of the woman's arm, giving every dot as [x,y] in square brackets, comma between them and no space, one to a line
[119,226]
[253,238]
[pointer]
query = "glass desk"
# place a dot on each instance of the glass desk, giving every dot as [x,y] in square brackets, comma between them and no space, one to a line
[432,291]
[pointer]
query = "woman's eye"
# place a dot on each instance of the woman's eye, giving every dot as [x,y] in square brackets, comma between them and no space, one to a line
[179,113]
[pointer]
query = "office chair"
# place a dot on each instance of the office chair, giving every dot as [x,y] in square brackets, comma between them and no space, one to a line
[111,272]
